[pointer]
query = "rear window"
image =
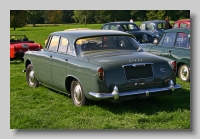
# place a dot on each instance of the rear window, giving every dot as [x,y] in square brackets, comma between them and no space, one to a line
[106,43]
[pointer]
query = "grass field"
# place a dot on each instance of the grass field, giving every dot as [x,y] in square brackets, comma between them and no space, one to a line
[43,108]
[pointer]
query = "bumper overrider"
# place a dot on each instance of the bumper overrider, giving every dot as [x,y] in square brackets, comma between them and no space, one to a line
[142,92]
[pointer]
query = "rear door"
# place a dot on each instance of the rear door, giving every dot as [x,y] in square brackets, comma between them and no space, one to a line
[165,45]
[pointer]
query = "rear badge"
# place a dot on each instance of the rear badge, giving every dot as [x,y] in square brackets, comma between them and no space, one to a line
[162,69]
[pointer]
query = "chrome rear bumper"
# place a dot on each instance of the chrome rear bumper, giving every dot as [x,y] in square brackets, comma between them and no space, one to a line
[147,92]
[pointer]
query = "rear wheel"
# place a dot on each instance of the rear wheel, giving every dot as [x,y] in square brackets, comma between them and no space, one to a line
[77,94]
[30,78]
[184,73]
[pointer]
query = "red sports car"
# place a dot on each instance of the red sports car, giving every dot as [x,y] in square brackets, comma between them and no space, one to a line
[19,44]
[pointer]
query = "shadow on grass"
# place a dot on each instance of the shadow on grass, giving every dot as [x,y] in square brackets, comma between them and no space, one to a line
[180,99]
[16,61]
[33,29]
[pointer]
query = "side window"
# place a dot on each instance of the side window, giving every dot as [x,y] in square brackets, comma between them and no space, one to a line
[54,43]
[63,45]
[150,27]
[113,27]
[182,40]
[183,25]
[176,25]
[169,39]
[106,27]
[70,51]
[161,25]
[142,27]
[161,40]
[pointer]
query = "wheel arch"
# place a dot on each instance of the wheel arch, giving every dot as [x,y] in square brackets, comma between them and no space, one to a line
[68,82]
[28,61]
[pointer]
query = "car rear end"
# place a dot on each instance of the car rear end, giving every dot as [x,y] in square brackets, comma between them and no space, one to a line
[133,76]
[17,50]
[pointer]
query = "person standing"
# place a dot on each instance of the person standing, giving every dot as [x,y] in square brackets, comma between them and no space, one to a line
[131,20]
[167,23]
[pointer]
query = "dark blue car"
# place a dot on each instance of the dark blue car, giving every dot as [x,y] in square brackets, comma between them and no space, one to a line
[131,28]
[154,27]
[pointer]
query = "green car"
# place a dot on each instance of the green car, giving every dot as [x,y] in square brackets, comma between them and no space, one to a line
[99,65]
[174,44]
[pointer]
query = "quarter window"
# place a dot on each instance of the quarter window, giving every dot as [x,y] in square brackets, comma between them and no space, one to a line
[63,45]
[106,27]
[54,43]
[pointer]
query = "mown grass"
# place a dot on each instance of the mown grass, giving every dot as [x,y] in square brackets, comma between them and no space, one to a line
[43,108]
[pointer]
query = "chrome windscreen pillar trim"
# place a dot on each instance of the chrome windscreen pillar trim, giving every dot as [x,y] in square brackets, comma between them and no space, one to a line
[116,94]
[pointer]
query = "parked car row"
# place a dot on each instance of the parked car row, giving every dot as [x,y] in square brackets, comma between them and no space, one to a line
[109,63]
[99,65]
[174,44]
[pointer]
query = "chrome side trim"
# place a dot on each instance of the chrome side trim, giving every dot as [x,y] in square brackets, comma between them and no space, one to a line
[115,94]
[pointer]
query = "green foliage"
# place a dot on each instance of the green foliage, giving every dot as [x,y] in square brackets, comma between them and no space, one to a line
[92,16]
[18,18]
[53,16]
[43,108]
[34,16]
[172,14]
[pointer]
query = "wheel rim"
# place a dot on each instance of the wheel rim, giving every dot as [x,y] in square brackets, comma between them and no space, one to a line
[184,73]
[77,94]
[32,80]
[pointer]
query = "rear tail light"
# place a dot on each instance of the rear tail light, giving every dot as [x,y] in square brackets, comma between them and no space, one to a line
[100,74]
[174,66]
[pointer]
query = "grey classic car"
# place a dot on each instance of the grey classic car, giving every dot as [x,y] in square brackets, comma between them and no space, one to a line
[174,44]
[154,27]
[99,65]
[129,27]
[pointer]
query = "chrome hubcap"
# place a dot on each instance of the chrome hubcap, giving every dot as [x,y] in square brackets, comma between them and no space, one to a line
[184,73]
[32,79]
[77,94]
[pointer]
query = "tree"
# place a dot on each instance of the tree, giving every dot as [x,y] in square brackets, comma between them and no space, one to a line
[53,16]
[172,14]
[34,16]
[67,16]
[18,18]
[84,16]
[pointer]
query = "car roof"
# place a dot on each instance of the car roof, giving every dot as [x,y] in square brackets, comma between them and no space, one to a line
[153,21]
[184,30]
[120,22]
[87,33]
[183,20]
